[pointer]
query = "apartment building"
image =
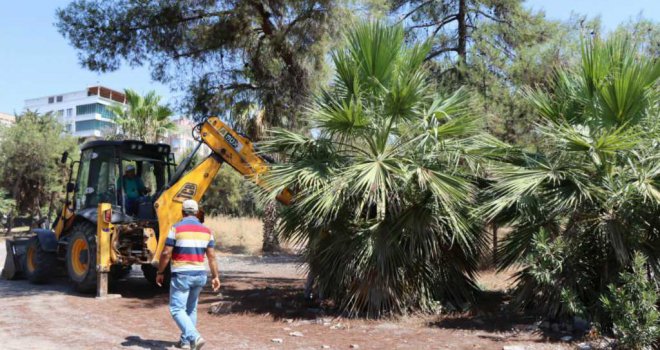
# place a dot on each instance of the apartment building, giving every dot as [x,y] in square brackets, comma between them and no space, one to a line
[83,113]
[7,119]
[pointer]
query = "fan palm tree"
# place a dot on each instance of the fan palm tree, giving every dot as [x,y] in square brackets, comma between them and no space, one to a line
[142,117]
[590,198]
[386,181]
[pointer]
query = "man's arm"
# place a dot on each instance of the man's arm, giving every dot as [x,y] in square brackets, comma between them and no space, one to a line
[213,264]
[165,257]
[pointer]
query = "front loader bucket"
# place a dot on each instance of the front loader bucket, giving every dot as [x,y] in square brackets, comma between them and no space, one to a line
[16,248]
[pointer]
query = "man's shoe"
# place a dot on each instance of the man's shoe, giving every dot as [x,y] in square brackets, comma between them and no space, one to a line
[182,345]
[198,343]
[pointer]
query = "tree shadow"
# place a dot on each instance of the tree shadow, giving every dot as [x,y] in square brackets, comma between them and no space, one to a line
[234,249]
[266,259]
[279,297]
[147,343]
[23,288]
[492,314]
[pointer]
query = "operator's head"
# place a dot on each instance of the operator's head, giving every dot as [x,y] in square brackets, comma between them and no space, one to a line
[190,207]
[130,170]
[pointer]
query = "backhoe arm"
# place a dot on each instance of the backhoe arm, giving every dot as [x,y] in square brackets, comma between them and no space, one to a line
[227,146]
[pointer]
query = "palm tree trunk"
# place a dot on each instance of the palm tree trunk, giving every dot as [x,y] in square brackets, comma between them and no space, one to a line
[271,244]
[494,227]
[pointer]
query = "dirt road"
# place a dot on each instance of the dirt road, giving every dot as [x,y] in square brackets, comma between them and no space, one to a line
[260,300]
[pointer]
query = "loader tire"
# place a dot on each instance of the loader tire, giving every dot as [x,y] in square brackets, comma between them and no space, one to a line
[81,257]
[118,272]
[150,272]
[39,265]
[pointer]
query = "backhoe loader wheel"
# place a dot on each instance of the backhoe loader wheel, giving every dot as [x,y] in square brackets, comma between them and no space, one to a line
[39,265]
[81,257]
[118,272]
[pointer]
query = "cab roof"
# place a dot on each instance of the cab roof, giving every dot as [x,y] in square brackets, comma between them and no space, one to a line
[129,145]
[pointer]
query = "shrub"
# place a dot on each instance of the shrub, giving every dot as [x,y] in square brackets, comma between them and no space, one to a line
[593,186]
[632,307]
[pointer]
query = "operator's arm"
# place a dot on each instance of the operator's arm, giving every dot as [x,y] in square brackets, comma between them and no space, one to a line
[213,264]
[142,189]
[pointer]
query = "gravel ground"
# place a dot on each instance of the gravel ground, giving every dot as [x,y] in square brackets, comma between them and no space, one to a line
[259,305]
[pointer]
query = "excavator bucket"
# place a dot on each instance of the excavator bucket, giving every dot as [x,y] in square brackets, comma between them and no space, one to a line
[16,248]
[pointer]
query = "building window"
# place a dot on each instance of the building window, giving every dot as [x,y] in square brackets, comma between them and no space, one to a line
[95,108]
[60,113]
[51,99]
[87,125]
[69,112]
[59,98]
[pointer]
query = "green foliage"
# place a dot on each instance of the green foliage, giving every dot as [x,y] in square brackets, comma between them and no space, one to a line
[495,48]
[29,152]
[231,194]
[143,118]
[386,184]
[225,54]
[632,305]
[593,185]
[6,202]
[548,281]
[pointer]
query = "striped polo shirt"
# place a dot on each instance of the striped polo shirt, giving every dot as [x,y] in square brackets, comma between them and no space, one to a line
[190,239]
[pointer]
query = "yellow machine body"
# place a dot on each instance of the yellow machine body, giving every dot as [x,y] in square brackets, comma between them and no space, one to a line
[122,244]
[227,146]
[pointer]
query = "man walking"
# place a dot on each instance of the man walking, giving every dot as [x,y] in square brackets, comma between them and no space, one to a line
[186,245]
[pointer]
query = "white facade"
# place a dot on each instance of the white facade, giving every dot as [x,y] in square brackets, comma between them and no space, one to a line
[7,119]
[83,113]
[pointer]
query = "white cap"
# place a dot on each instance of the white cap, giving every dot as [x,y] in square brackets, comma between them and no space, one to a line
[190,206]
[130,167]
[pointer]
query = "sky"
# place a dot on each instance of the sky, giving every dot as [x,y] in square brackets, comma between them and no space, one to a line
[36,61]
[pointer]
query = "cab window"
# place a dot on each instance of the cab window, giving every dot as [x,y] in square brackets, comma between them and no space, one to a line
[96,178]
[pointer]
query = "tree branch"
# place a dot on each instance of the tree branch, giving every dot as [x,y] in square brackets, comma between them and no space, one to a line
[439,52]
[193,52]
[179,21]
[440,23]
[414,10]
[304,16]
[266,25]
[491,17]
[238,86]
[444,22]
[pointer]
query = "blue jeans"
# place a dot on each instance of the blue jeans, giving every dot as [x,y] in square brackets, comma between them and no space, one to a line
[132,205]
[184,293]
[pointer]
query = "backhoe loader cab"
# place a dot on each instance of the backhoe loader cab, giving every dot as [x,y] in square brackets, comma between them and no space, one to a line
[127,176]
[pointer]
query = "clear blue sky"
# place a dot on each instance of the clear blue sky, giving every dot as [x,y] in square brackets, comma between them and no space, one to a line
[36,61]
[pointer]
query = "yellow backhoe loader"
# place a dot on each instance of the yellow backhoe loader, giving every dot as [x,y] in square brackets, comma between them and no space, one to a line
[125,198]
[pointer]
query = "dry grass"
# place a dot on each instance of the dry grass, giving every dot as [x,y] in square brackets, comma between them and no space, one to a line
[496,281]
[242,235]
[489,278]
